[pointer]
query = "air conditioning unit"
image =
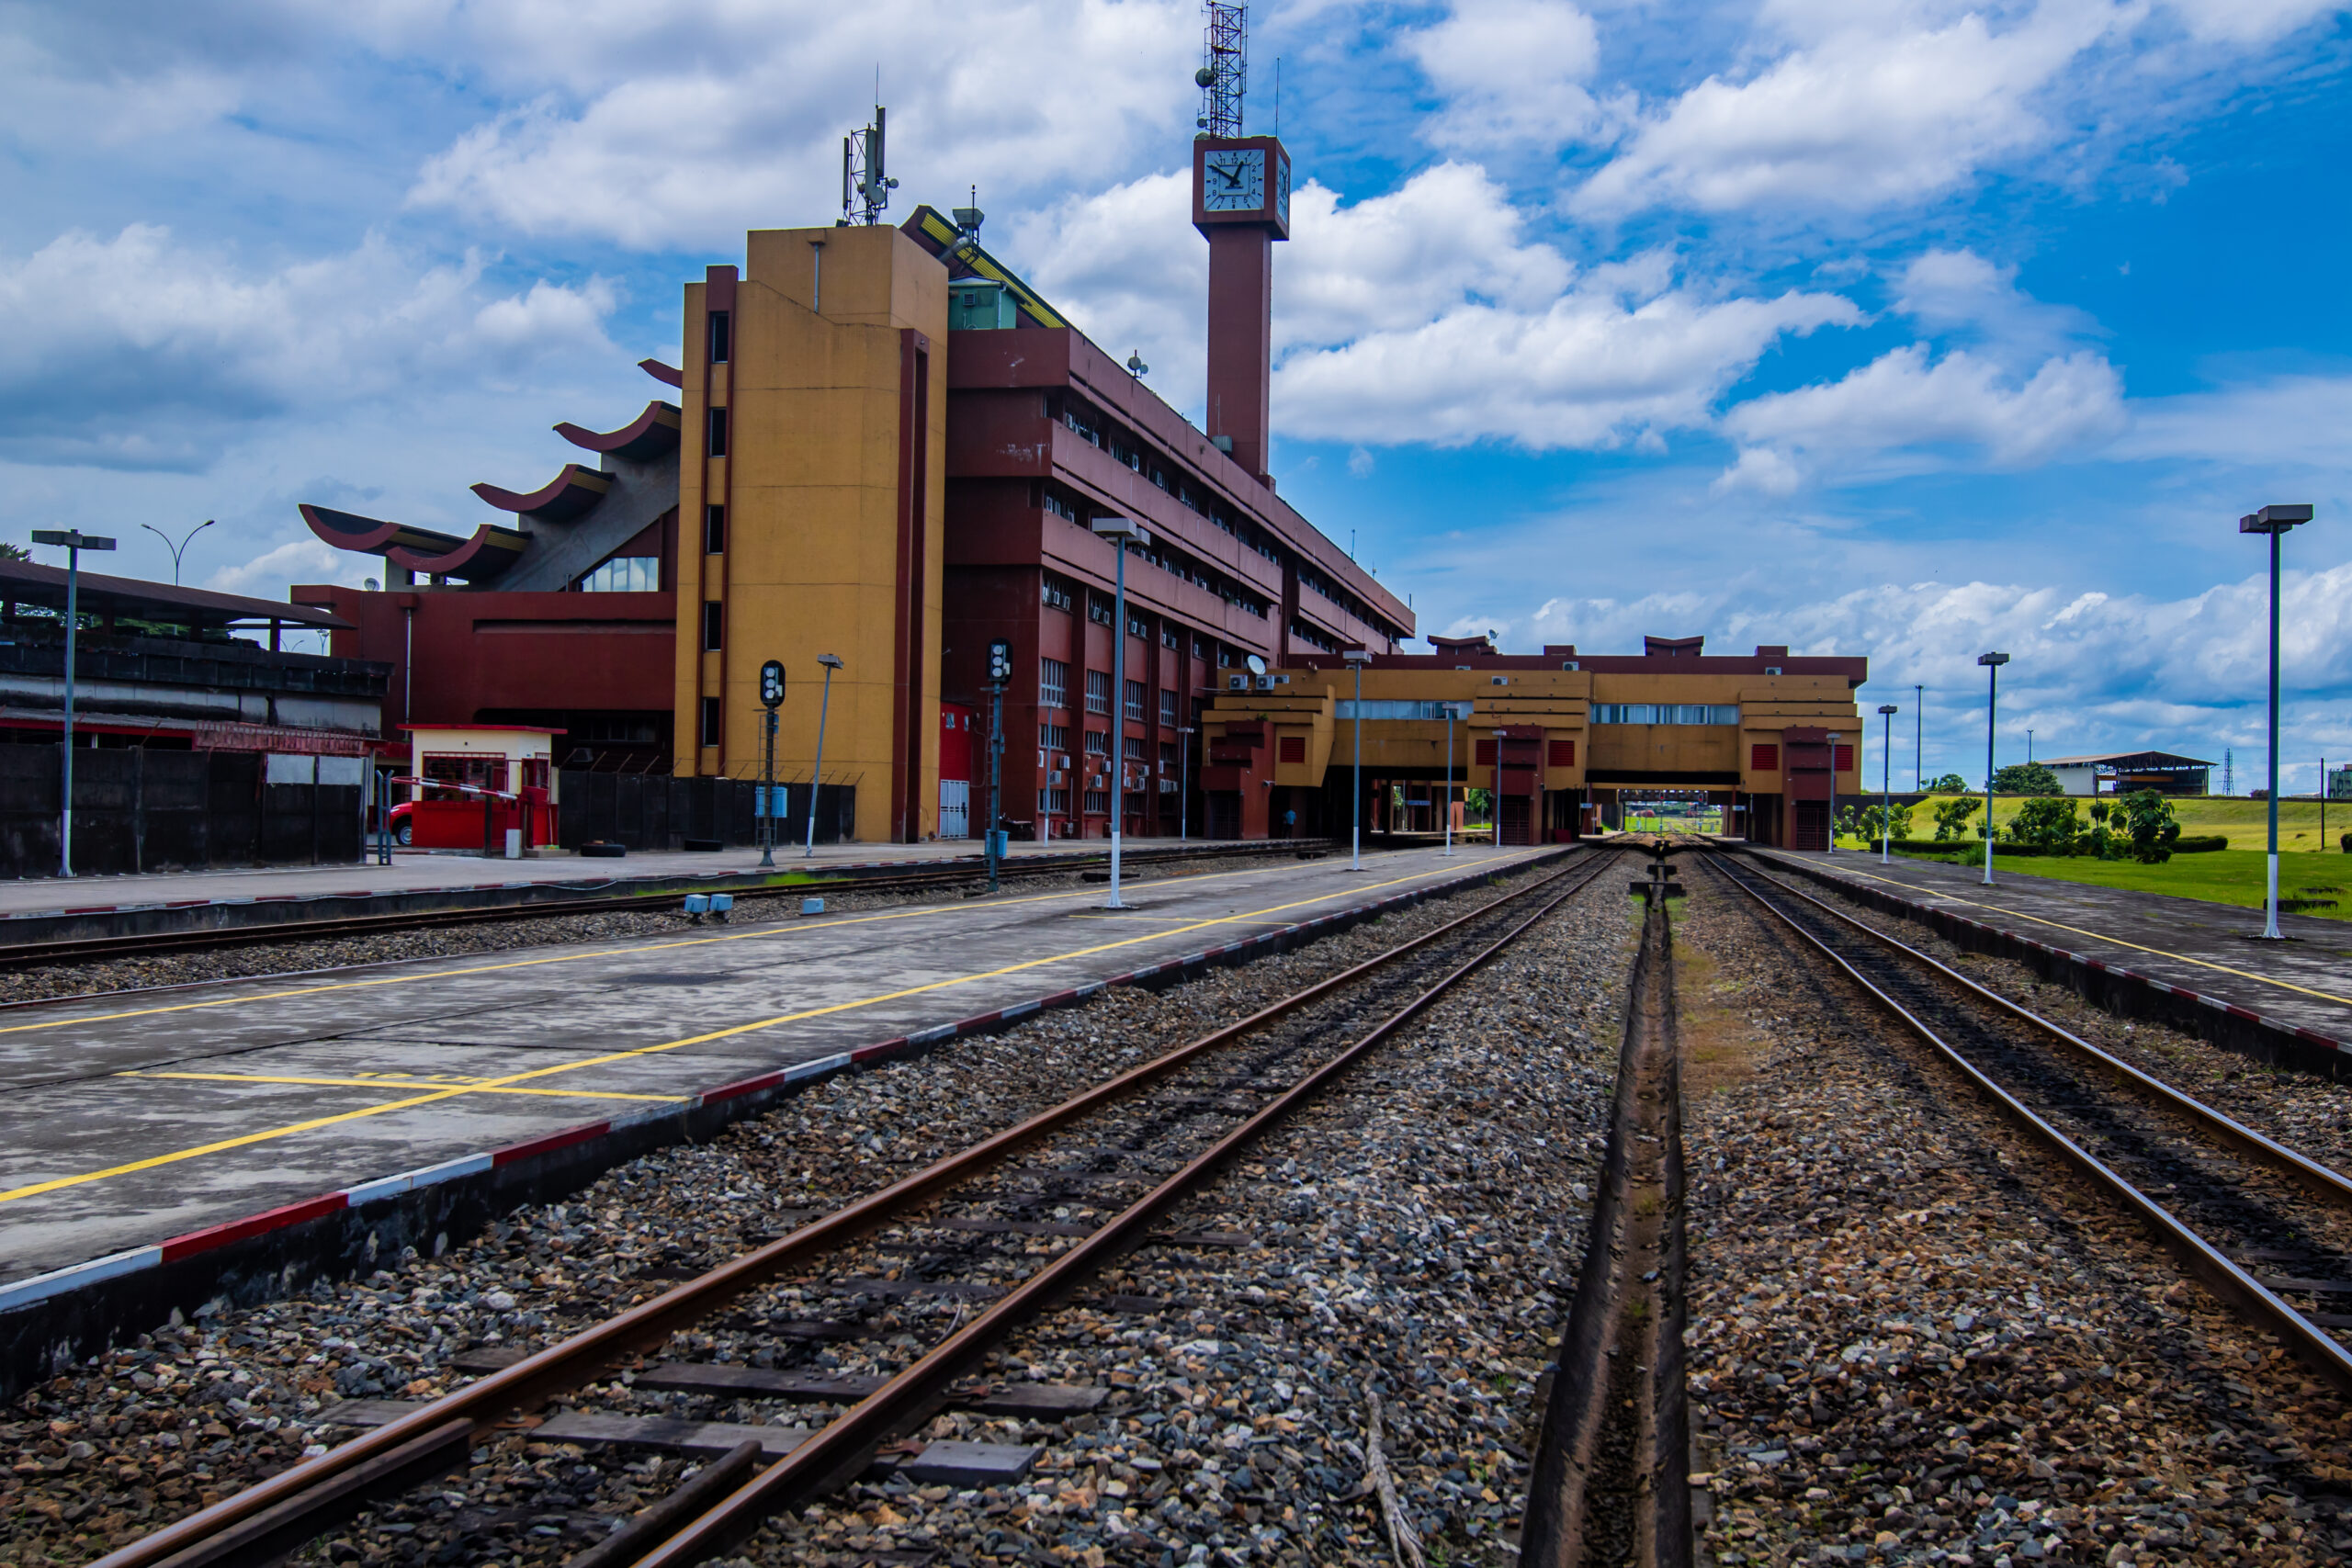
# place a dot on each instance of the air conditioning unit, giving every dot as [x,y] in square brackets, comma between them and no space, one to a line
[1168,787]
[1265,682]
[1056,779]
[1280,680]
[1236,682]
[1499,680]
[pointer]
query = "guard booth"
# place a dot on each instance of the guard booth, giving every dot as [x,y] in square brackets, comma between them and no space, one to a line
[476,782]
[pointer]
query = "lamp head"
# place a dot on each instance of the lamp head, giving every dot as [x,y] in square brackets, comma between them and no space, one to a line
[1888,707]
[1992,660]
[1121,531]
[1357,656]
[2274,519]
[70,538]
[830,661]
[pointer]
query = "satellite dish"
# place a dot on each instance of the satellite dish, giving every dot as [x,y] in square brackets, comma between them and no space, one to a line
[1204,76]
[1257,665]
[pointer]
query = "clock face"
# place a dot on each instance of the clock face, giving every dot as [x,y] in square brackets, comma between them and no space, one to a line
[1234,180]
[1281,190]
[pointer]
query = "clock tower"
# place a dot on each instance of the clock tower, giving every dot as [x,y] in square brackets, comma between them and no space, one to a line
[1242,203]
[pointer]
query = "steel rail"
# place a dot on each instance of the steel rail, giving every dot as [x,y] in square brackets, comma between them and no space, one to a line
[2211,1267]
[845,1446]
[577,1361]
[83,950]
[2316,1179]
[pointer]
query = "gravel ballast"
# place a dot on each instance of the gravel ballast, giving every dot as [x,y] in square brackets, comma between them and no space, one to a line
[1916,1338]
[154,1430]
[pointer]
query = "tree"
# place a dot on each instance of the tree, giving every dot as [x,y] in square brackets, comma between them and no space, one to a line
[2045,822]
[1867,826]
[1949,783]
[2148,820]
[2026,778]
[1951,816]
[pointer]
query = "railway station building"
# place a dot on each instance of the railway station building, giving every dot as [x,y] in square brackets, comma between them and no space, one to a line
[880,445]
[1561,739]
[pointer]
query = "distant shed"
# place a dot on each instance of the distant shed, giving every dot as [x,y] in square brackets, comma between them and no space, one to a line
[2126,773]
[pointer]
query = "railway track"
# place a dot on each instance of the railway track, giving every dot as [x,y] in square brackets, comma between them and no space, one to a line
[953,1257]
[2267,1229]
[85,950]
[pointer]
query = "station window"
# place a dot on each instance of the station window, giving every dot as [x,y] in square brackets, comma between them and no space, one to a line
[714,622]
[1098,743]
[1053,684]
[1053,802]
[1134,746]
[625,574]
[1167,708]
[714,530]
[720,321]
[718,447]
[1054,736]
[712,719]
[1134,700]
[1764,759]
[1098,692]
[1098,803]
[1054,592]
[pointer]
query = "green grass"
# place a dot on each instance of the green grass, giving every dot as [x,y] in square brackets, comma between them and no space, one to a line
[2220,876]
[2243,822]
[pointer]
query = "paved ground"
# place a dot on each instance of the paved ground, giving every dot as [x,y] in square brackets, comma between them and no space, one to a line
[128,1122]
[422,870]
[2204,946]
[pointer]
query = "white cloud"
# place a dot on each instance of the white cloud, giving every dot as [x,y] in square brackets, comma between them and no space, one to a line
[678,129]
[139,351]
[1906,402]
[2249,21]
[269,574]
[2283,421]
[1960,291]
[1510,71]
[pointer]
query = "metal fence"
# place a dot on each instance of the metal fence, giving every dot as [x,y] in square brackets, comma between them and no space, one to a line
[137,809]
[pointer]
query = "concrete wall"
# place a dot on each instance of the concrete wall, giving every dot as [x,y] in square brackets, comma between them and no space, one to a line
[835,485]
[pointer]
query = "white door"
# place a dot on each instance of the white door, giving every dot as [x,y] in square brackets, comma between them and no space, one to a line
[954,803]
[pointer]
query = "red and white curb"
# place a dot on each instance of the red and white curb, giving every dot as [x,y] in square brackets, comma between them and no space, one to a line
[58,1281]
[1930,913]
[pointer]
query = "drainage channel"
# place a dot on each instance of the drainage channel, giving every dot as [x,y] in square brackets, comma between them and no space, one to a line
[1611,1478]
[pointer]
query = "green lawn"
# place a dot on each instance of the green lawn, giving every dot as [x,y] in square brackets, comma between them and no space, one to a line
[2220,876]
[2243,822]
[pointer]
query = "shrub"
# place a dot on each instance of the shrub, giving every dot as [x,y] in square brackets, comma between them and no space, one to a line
[2045,822]
[2201,843]
[1951,816]
[2148,819]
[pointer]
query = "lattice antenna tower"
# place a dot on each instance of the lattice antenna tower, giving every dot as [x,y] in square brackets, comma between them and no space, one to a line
[2229,772]
[866,185]
[1223,75]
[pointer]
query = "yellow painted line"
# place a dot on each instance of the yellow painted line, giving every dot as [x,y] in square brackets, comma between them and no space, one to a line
[2102,936]
[483,1087]
[793,928]
[314,1123]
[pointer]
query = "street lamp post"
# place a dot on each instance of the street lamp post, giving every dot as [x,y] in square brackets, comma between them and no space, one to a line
[1183,785]
[179,549]
[1359,658]
[1885,783]
[1992,664]
[1000,672]
[816,778]
[1118,532]
[75,541]
[2274,521]
[1919,737]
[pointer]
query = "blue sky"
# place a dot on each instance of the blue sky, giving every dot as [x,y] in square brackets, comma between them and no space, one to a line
[1865,326]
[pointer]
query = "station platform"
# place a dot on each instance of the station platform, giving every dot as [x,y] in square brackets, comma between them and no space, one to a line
[134,1119]
[2187,944]
[429,871]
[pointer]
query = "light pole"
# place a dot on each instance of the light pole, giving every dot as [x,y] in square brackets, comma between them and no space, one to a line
[1919,737]
[1183,787]
[1118,532]
[771,698]
[2274,521]
[1358,658]
[1000,672]
[816,778]
[1885,784]
[75,541]
[179,549]
[2029,748]
[1452,711]
[1992,664]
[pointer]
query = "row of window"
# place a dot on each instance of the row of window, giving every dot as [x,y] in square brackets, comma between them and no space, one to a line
[1666,713]
[1391,707]
[625,574]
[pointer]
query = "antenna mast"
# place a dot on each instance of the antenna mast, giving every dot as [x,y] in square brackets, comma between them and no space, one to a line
[865,187]
[1223,75]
